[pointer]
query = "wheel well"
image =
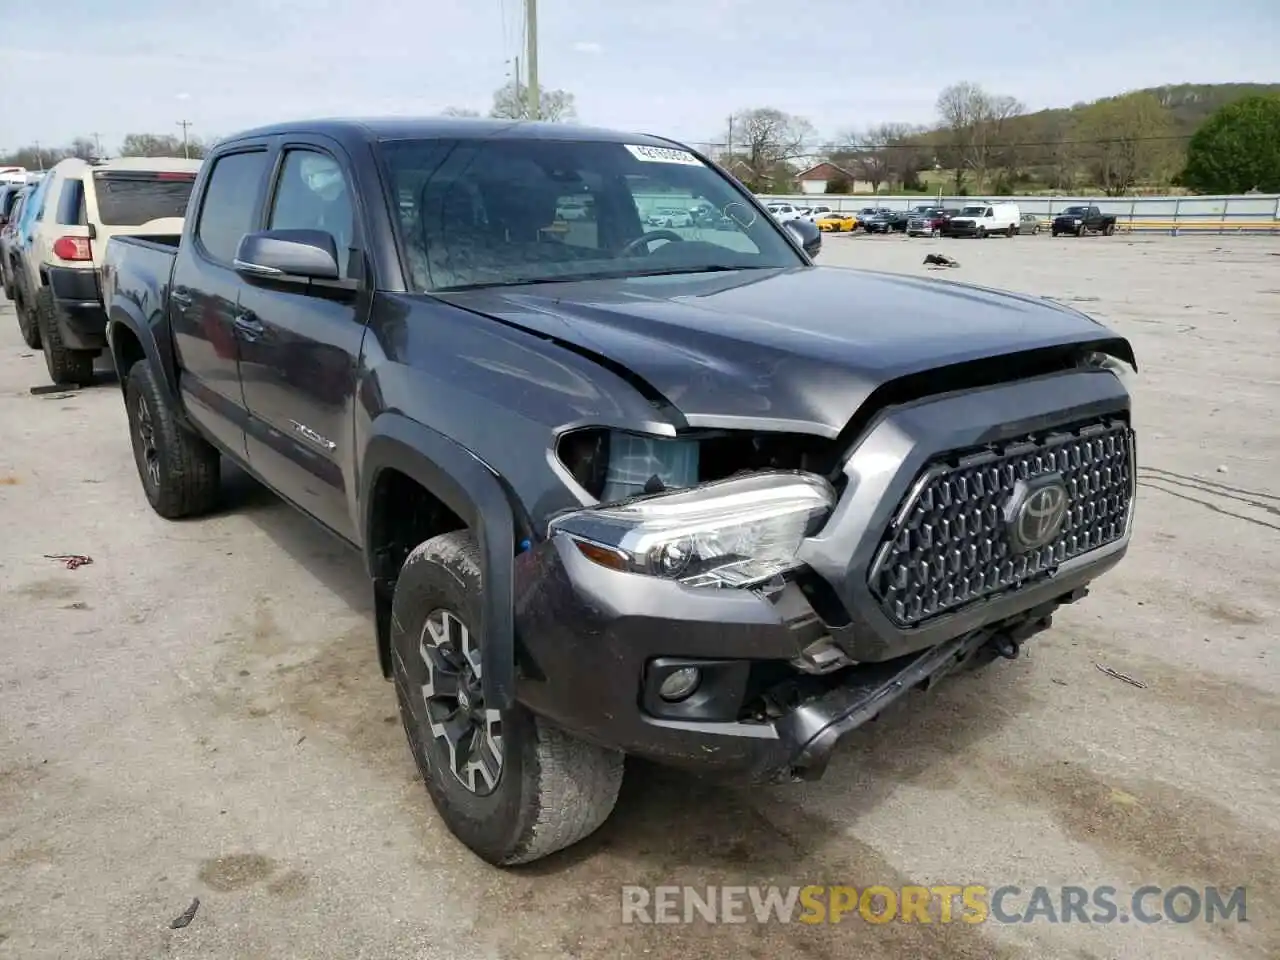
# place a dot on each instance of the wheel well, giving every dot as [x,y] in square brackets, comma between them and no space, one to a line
[126,350]
[403,514]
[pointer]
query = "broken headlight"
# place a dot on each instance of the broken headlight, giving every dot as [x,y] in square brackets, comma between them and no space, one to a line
[738,532]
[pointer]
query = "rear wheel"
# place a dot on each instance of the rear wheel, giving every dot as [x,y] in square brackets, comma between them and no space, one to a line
[64,364]
[509,785]
[178,469]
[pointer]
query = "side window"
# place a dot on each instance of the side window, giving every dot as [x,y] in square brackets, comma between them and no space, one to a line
[71,202]
[229,203]
[312,194]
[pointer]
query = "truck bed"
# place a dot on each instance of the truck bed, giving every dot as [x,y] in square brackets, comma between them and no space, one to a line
[137,269]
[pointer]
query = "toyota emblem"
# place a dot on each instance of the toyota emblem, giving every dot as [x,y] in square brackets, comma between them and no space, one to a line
[1036,512]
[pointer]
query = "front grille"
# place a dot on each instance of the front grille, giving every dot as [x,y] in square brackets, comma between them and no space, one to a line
[915,225]
[950,542]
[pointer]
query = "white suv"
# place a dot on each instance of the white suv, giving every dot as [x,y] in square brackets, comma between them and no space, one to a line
[782,212]
[84,204]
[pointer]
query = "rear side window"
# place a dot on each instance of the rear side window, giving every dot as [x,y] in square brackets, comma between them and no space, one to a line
[230,201]
[132,198]
[7,196]
[71,202]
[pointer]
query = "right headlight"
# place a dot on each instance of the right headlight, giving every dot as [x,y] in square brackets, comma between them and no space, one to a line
[738,532]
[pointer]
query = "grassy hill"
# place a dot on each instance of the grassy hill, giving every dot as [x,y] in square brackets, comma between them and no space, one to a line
[1055,147]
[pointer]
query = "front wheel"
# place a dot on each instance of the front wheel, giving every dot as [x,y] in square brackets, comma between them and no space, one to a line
[982,233]
[512,787]
[1109,230]
[28,327]
[1080,230]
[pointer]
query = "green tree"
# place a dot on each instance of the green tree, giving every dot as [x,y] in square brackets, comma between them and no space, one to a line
[1125,141]
[1237,149]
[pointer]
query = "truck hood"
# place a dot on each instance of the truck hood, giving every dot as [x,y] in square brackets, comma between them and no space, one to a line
[795,349]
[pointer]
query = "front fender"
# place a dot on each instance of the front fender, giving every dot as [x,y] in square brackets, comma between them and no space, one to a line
[471,489]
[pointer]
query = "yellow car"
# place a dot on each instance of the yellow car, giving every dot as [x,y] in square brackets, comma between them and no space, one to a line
[836,222]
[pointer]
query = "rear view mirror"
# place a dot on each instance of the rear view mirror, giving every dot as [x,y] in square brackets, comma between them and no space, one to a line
[279,254]
[806,234]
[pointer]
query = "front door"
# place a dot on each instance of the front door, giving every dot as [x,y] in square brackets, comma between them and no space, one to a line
[299,348]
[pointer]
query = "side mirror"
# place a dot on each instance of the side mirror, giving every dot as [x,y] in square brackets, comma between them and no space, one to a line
[280,254]
[807,235]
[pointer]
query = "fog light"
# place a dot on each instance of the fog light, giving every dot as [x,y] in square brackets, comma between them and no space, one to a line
[679,684]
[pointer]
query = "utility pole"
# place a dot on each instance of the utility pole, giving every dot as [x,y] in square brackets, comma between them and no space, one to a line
[97,145]
[39,157]
[186,152]
[531,38]
[729,146]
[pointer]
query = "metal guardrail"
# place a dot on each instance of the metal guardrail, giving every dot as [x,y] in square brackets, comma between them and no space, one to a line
[1245,213]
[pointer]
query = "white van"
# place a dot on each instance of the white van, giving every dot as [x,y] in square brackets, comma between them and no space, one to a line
[981,219]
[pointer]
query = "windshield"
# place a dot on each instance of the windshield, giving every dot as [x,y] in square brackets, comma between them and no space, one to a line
[493,212]
[1076,211]
[973,211]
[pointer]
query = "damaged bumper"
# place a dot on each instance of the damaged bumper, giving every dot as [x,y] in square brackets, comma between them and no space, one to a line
[894,594]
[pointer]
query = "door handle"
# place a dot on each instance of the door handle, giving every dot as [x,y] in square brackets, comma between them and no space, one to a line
[249,327]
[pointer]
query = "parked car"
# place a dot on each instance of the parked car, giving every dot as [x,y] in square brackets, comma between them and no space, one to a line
[1030,224]
[671,217]
[1082,220]
[886,221]
[632,496]
[12,199]
[782,211]
[985,220]
[837,222]
[813,213]
[926,222]
[17,258]
[85,205]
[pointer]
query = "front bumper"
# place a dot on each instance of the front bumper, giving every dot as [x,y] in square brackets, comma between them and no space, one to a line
[590,639]
[78,310]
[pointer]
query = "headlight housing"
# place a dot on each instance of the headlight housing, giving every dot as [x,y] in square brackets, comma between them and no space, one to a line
[738,532]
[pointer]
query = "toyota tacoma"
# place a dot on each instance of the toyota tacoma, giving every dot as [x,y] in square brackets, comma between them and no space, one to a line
[618,490]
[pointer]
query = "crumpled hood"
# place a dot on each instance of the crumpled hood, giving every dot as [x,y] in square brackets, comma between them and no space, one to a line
[802,347]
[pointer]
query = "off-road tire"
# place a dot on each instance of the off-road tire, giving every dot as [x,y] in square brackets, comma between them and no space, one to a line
[188,481]
[64,364]
[1080,230]
[553,790]
[1109,230]
[27,326]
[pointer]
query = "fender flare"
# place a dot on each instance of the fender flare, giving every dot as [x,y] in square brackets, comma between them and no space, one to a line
[473,490]
[125,314]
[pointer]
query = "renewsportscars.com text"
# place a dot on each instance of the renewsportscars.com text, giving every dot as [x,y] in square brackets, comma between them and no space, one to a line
[960,903]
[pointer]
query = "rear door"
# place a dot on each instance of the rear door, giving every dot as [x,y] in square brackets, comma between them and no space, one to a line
[205,293]
[300,342]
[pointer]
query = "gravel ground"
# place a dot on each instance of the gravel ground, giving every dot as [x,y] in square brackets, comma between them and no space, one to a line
[198,713]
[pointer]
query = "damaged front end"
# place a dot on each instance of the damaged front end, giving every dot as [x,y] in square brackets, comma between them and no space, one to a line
[739,600]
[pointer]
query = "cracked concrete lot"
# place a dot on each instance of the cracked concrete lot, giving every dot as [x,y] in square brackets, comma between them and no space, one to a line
[198,713]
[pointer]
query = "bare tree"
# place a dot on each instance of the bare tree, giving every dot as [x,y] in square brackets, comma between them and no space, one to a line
[511,102]
[459,112]
[1126,140]
[764,141]
[82,147]
[975,120]
[160,145]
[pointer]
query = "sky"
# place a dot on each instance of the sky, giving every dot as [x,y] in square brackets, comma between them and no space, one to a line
[673,67]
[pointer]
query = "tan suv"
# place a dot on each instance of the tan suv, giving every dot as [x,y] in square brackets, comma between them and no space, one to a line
[86,203]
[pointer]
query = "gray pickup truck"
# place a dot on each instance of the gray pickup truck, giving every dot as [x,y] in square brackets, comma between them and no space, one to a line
[618,490]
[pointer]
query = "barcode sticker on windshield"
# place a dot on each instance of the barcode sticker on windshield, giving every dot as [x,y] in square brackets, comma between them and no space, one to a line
[663,155]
